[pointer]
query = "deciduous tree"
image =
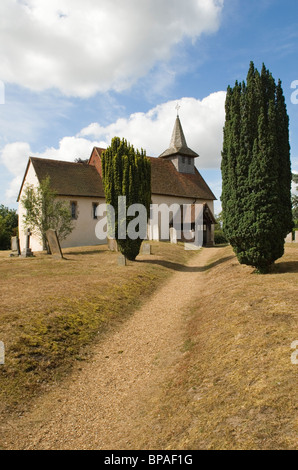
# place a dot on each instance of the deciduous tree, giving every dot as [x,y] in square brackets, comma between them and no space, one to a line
[44,211]
[8,226]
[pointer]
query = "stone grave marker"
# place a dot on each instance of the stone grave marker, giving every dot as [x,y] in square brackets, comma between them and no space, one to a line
[2,353]
[173,235]
[146,249]
[54,244]
[27,250]
[15,246]
[122,260]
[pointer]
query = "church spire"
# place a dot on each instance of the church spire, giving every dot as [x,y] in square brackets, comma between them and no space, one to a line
[178,140]
[178,143]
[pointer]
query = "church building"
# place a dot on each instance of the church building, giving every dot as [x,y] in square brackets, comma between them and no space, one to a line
[174,180]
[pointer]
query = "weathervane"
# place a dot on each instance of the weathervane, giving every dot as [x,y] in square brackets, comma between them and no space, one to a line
[178,107]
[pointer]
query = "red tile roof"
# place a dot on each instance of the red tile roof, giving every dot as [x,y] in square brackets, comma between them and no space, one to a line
[166,180]
[83,180]
[68,179]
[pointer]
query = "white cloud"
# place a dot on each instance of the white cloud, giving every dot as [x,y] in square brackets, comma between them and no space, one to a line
[69,149]
[202,122]
[15,158]
[85,46]
[13,190]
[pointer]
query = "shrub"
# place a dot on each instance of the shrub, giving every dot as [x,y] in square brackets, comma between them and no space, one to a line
[219,237]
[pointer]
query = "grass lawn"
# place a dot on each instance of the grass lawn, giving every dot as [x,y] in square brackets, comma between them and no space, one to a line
[233,387]
[51,310]
[236,386]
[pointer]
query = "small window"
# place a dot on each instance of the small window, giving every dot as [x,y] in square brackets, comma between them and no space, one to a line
[73,209]
[189,160]
[94,209]
[183,160]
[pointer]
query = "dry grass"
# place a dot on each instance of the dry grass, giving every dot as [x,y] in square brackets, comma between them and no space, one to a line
[235,387]
[51,310]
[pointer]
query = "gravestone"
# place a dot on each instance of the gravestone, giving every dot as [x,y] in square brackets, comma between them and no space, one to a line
[121,260]
[194,246]
[26,253]
[2,353]
[112,244]
[289,238]
[173,235]
[146,249]
[15,246]
[54,244]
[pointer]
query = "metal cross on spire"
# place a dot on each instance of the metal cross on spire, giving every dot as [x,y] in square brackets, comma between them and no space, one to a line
[178,107]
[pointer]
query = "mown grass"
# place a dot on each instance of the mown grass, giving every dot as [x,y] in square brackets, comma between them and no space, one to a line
[235,386]
[52,311]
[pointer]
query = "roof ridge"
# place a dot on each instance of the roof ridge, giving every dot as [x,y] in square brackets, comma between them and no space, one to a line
[41,159]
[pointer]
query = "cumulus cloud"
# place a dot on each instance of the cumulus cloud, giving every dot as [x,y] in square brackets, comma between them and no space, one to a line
[15,158]
[202,121]
[69,149]
[85,46]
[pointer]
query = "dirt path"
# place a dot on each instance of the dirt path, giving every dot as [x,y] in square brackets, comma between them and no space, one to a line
[105,405]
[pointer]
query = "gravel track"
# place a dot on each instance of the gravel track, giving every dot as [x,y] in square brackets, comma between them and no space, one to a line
[106,403]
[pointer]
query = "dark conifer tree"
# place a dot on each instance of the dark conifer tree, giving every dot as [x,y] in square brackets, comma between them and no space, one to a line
[126,172]
[256,170]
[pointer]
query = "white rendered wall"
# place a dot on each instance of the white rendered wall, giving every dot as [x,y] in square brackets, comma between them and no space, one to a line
[154,228]
[35,242]
[84,226]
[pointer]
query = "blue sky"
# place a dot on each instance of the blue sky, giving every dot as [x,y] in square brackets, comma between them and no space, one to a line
[76,73]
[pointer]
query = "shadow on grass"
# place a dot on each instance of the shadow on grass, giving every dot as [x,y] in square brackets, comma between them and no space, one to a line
[285,267]
[75,253]
[188,269]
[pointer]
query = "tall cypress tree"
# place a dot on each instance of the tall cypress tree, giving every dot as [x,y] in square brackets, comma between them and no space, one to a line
[126,172]
[256,170]
[295,202]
